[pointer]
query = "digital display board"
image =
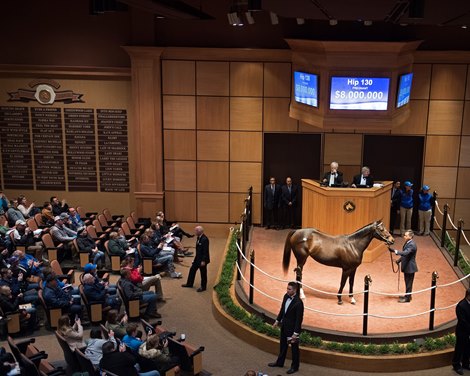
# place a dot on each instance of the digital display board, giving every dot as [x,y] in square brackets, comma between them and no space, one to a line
[359,93]
[404,89]
[306,88]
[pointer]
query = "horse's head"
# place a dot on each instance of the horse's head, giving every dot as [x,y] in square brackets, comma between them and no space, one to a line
[381,233]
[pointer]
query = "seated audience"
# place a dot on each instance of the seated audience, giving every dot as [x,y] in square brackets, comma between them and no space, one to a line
[96,293]
[72,334]
[25,237]
[58,207]
[86,243]
[62,234]
[75,220]
[132,291]
[56,297]
[47,215]
[132,338]
[145,282]
[121,362]
[117,323]
[119,246]
[19,286]
[10,304]
[94,345]
[157,351]
[166,260]
[28,264]
[14,214]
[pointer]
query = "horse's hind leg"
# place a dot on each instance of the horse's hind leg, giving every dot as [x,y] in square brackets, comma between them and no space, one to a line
[298,278]
[344,277]
[351,286]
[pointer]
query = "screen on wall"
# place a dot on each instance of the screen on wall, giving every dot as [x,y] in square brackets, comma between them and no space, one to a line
[359,93]
[404,89]
[306,88]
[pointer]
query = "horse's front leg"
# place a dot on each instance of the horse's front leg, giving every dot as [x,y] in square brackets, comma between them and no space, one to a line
[351,286]
[344,276]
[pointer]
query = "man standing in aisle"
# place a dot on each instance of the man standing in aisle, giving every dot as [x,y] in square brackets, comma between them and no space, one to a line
[200,261]
[408,264]
[290,319]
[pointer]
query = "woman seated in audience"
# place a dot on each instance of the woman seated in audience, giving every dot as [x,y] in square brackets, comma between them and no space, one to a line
[145,283]
[157,351]
[86,244]
[94,345]
[160,233]
[9,304]
[166,260]
[118,246]
[47,215]
[72,334]
[117,323]
[28,211]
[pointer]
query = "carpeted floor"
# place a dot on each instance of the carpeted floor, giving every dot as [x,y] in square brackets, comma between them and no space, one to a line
[189,312]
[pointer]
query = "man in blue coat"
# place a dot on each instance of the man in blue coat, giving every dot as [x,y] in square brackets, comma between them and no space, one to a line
[408,264]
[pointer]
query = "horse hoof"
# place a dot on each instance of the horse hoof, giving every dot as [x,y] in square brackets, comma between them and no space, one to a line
[340,302]
[353,301]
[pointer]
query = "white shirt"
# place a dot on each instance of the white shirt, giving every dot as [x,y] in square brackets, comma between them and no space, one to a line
[363,180]
[332,178]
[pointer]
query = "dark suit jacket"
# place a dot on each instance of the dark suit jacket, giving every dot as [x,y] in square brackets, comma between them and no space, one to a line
[408,257]
[287,197]
[272,201]
[369,180]
[463,318]
[338,178]
[291,321]
[202,250]
[396,199]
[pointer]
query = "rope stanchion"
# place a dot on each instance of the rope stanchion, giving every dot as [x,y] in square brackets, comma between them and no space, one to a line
[457,243]
[399,317]
[435,276]
[367,282]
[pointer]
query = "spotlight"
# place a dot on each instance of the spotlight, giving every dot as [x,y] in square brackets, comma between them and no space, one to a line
[274,18]
[464,26]
[234,20]
[333,22]
[300,21]
[249,18]
[367,22]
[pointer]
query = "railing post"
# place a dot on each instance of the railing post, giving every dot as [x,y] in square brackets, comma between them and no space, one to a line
[433,210]
[239,277]
[250,207]
[444,224]
[435,276]
[367,282]
[252,275]
[457,242]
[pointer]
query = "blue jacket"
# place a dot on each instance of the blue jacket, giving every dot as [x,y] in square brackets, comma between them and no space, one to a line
[95,292]
[407,199]
[132,342]
[24,262]
[56,298]
[425,201]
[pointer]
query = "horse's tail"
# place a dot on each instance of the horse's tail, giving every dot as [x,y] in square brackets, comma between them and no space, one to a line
[287,249]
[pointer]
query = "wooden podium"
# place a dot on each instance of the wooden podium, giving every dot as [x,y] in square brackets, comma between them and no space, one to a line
[340,211]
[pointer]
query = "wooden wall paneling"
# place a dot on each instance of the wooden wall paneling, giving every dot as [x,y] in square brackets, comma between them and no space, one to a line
[463,188]
[441,179]
[467,90]
[421,81]
[213,113]
[237,205]
[466,119]
[246,114]
[462,211]
[277,79]
[212,78]
[346,149]
[442,151]
[308,128]
[180,206]
[445,117]
[276,116]
[448,81]
[416,123]
[179,77]
[465,151]
[212,176]
[179,112]
[180,175]
[180,144]
[212,207]
[246,79]
[243,175]
[246,146]
[213,145]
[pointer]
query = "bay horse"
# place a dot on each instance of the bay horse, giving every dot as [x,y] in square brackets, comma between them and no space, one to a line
[343,251]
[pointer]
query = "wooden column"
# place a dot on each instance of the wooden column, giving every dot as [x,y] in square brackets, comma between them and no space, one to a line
[147,133]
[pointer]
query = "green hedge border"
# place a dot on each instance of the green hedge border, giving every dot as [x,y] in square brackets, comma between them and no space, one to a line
[256,323]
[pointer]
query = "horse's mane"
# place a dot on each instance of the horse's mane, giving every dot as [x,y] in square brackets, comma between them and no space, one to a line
[360,233]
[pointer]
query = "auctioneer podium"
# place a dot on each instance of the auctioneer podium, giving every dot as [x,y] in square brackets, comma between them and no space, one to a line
[339,211]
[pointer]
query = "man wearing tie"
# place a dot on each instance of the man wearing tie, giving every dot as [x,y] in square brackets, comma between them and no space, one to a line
[200,261]
[363,179]
[289,203]
[290,319]
[333,177]
[272,202]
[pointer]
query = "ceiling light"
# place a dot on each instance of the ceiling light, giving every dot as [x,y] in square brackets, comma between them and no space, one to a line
[249,18]
[464,26]
[300,21]
[274,18]
[367,22]
[233,19]
[333,22]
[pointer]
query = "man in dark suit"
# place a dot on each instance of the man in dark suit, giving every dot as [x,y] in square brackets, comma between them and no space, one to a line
[363,179]
[408,263]
[288,202]
[290,318]
[333,177]
[200,261]
[272,202]
[462,334]
[395,204]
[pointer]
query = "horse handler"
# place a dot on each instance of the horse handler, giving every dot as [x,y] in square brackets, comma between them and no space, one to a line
[290,318]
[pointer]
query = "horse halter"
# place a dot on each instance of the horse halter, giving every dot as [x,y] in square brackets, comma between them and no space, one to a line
[380,234]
